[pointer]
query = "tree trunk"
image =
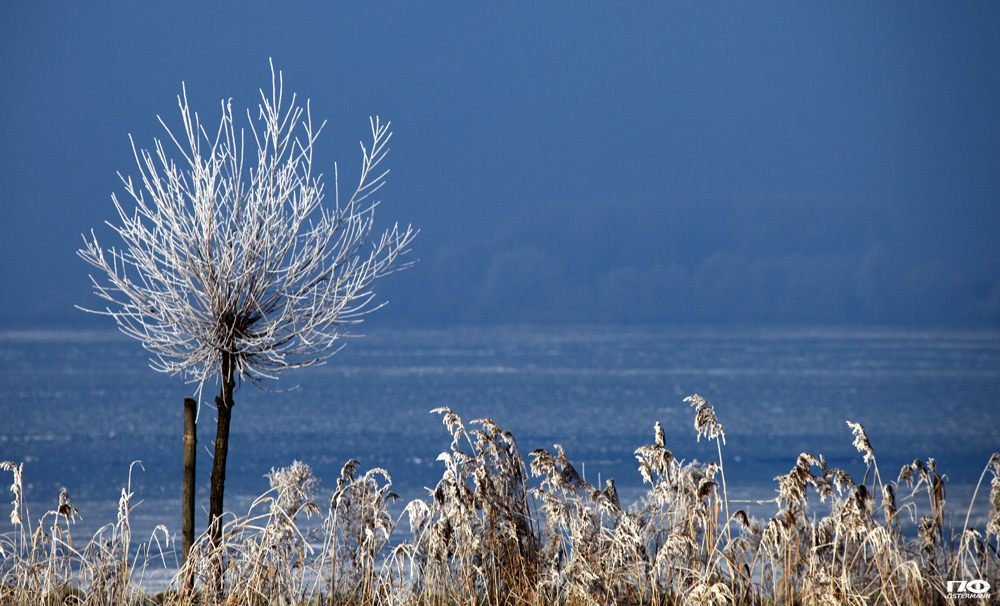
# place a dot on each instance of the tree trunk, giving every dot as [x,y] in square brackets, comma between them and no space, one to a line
[224,402]
[187,487]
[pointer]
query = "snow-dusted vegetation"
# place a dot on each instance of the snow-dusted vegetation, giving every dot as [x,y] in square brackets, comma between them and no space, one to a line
[499,529]
[231,268]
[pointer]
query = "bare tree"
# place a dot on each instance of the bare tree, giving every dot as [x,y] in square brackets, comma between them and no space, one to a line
[234,272]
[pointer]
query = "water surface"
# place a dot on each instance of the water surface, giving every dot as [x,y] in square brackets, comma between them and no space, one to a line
[77,408]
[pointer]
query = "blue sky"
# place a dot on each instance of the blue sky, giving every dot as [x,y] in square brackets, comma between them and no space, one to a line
[719,162]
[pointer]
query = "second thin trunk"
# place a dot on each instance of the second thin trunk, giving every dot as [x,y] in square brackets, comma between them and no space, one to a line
[188,484]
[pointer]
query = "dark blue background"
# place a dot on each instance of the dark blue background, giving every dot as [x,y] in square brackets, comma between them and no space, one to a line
[650,162]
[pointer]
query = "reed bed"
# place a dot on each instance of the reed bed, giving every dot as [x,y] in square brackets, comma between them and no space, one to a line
[500,530]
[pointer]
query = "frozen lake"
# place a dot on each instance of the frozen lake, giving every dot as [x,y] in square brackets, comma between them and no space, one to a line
[78,407]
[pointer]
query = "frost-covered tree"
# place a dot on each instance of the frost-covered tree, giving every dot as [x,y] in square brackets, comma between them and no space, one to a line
[231,268]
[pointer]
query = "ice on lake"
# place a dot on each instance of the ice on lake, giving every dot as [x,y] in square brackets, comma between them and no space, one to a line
[77,408]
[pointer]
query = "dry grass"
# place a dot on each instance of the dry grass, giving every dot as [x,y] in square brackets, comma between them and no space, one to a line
[496,530]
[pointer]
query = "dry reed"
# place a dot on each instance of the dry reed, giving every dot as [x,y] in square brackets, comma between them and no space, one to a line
[497,531]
